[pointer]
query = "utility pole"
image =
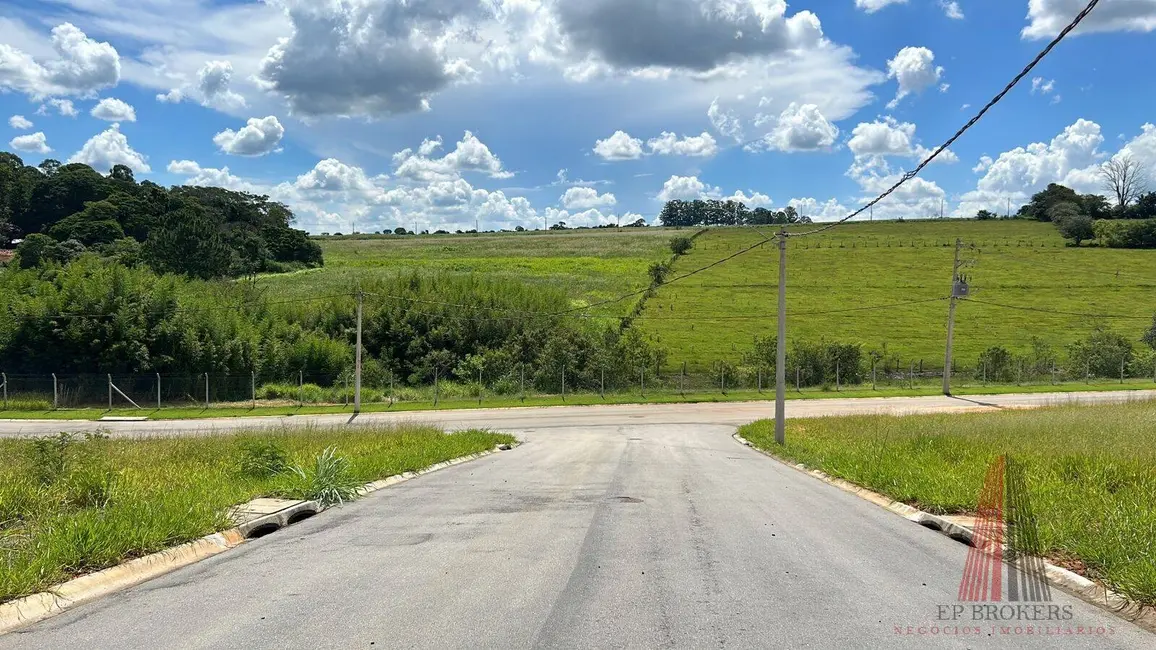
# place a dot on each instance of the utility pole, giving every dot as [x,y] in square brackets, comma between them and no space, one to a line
[956,291]
[781,346]
[357,360]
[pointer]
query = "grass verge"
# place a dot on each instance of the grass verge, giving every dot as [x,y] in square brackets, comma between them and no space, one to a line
[662,396]
[70,506]
[1090,473]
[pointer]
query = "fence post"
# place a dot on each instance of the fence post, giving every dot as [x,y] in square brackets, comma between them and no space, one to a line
[479,386]
[158,390]
[435,386]
[1053,373]
[300,388]
[563,382]
[872,374]
[985,372]
[206,390]
[55,393]
[602,385]
[722,378]
[390,389]
[522,372]
[4,385]
[642,381]
[911,375]
[798,385]
[1088,375]
[682,381]
[109,393]
[760,379]
[253,388]
[345,389]
[1122,360]
[838,387]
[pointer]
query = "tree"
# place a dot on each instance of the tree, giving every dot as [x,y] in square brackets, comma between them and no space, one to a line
[1043,201]
[188,242]
[984,215]
[400,231]
[1149,337]
[680,245]
[1123,177]
[1076,227]
[1144,208]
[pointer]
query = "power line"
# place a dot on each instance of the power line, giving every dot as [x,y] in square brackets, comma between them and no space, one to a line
[1060,266]
[1055,312]
[995,100]
[701,316]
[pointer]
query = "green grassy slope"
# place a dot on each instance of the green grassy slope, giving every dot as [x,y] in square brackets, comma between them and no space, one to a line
[591,264]
[716,315]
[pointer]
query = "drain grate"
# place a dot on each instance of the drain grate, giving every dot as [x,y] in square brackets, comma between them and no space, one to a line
[627,499]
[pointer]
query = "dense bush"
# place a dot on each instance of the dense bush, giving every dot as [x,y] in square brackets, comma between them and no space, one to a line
[1126,233]
[812,363]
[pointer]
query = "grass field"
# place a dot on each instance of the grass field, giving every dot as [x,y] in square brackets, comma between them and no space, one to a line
[73,506]
[716,314]
[1090,473]
[590,264]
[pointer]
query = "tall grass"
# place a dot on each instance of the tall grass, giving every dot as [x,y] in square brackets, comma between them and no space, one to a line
[1090,471]
[70,505]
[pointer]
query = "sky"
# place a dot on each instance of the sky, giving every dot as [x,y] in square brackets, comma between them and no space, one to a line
[439,114]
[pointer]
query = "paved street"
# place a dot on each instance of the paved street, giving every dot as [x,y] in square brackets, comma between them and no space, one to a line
[623,527]
[539,418]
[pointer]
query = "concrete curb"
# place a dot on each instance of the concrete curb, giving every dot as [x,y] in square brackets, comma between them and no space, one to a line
[37,607]
[1074,583]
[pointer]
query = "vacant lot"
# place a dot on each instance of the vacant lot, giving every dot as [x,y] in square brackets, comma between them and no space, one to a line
[591,265]
[1090,474]
[70,506]
[715,315]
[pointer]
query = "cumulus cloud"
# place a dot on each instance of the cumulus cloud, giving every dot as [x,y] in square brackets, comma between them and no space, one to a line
[753,200]
[1043,86]
[800,127]
[1072,158]
[1047,17]
[210,177]
[365,58]
[692,36]
[81,67]
[669,144]
[585,198]
[114,110]
[258,137]
[31,143]
[871,6]
[19,122]
[469,155]
[915,70]
[918,197]
[829,210]
[213,81]
[62,106]
[890,137]
[620,146]
[174,96]
[686,188]
[109,148]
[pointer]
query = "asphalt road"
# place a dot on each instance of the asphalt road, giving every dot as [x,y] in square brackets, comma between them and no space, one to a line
[512,419]
[627,535]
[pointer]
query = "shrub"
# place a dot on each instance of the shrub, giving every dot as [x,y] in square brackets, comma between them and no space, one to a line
[1126,233]
[681,245]
[1101,353]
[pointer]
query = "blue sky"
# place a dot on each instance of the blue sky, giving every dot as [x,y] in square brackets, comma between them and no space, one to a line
[384,113]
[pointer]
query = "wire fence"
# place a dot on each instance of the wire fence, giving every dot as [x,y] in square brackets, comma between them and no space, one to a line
[47,391]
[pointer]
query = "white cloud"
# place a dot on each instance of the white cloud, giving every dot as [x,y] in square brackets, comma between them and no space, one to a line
[686,188]
[62,106]
[916,198]
[258,137]
[754,200]
[469,155]
[799,128]
[585,198]
[725,122]
[830,210]
[871,6]
[1142,149]
[174,96]
[619,146]
[1047,17]
[890,137]
[210,177]
[669,144]
[81,66]
[1072,158]
[114,110]
[19,122]
[915,70]
[109,148]
[32,143]
[1043,86]
[213,81]
[951,9]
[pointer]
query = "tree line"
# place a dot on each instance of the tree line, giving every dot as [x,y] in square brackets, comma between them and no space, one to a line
[59,211]
[714,212]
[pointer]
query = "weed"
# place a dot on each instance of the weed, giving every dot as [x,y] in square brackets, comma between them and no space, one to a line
[329,481]
[262,458]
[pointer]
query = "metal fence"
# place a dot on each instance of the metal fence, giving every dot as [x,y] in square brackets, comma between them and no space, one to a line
[45,391]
